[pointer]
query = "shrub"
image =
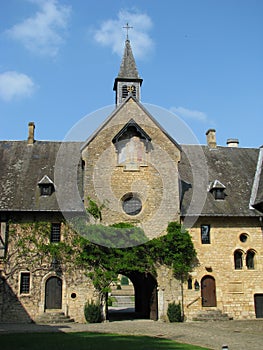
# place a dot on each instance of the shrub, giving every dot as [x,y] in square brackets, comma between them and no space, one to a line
[92,312]
[110,300]
[174,312]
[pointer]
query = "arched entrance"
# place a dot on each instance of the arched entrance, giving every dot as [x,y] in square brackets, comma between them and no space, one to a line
[53,293]
[208,291]
[145,287]
[145,295]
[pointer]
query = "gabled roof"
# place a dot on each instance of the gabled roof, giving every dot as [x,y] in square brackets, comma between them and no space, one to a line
[111,116]
[216,185]
[46,181]
[125,128]
[233,167]
[23,168]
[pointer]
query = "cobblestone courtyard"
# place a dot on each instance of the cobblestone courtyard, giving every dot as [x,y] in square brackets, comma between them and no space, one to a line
[238,335]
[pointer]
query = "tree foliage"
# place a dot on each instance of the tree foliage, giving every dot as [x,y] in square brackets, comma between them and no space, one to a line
[175,250]
[30,248]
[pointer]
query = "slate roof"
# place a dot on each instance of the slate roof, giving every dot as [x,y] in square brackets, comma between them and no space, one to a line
[257,191]
[233,167]
[22,168]
[128,67]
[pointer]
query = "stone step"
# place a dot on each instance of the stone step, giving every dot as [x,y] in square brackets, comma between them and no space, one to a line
[123,301]
[125,290]
[211,315]
[52,317]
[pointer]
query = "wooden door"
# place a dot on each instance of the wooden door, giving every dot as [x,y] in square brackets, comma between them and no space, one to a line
[208,291]
[258,298]
[53,296]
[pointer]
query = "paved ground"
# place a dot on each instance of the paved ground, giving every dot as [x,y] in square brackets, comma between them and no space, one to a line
[238,335]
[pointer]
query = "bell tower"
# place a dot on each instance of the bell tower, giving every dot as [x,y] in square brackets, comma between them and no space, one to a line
[128,80]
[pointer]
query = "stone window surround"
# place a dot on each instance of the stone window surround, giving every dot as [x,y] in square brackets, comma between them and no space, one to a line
[20,284]
[244,259]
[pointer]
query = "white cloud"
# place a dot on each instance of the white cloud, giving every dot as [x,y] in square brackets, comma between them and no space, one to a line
[190,114]
[42,33]
[14,84]
[111,33]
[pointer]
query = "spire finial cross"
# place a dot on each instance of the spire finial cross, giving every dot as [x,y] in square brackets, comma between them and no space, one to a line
[127,27]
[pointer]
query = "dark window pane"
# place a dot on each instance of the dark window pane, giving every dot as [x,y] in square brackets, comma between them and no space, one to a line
[219,193]
[205,234]
[55,233]
[250,260]
[238,258]
[45,190]
[190,283]
[25,283]
[243,237]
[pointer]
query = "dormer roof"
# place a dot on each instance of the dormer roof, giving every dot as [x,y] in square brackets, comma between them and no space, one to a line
[214,185]
[46,181]
[131,123]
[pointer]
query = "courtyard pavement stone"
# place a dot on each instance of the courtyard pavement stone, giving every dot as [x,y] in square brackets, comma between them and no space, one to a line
[238,335]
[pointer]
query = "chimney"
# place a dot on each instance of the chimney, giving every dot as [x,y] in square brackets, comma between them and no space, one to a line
[31,133]
[232,142]
[211,138]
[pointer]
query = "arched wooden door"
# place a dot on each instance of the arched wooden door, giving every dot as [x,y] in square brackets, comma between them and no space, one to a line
[53,293]
[208,291]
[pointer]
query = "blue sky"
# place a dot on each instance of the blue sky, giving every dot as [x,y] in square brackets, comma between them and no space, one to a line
[200,59]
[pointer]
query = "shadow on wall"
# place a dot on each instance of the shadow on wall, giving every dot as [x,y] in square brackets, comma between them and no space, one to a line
[11,309]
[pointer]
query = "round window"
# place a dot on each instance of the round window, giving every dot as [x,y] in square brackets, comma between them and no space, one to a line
[131,204]
[243,237]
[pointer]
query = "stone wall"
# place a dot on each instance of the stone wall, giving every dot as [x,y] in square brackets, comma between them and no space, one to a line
[16,306]
[235,288]
[156,182]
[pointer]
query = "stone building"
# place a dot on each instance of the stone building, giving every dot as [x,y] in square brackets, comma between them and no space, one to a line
[146,178]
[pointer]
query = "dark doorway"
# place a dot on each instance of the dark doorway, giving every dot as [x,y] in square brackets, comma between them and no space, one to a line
[258,299]
[208,291]
[53,293]
[146,300]
[145,295]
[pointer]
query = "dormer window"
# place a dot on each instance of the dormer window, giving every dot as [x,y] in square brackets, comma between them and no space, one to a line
[218,190]
[46,186]
[219,193]
[45,190]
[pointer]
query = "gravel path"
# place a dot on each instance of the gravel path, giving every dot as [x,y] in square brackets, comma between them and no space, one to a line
[238,335]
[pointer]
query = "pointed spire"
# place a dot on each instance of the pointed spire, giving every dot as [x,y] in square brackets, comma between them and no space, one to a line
[128,67]
[128,80]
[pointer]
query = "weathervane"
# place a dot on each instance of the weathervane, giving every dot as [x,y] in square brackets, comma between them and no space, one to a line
[127,27]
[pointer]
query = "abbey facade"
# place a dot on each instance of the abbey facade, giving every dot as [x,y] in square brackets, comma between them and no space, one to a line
[139,174]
